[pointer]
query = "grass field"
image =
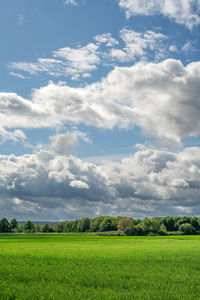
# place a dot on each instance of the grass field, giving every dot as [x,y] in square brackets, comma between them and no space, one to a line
[78,266]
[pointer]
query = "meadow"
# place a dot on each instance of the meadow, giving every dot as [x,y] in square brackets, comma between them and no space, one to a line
[80,266]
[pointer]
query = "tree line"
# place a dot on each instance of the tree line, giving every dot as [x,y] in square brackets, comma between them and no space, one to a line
[111,225]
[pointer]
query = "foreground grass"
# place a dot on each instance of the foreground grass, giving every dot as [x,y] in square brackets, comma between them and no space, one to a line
[75,266]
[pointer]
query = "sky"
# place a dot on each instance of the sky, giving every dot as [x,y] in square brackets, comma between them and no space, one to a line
[99,108]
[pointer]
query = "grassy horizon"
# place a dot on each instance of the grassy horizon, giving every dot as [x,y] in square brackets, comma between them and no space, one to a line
[79,266]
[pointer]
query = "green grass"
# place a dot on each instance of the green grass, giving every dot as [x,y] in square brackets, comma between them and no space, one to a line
[79,266]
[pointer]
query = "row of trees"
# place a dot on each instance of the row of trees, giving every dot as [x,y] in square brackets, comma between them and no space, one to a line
[13,226]
[128,226]
[132,226]
[6,226]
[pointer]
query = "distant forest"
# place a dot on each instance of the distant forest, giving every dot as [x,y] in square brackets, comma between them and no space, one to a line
[110,226]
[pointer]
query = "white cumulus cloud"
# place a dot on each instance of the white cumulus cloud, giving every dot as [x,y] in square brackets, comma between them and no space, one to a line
[149,183]
[185,12]
[162,98]
[79,62]
[72,2]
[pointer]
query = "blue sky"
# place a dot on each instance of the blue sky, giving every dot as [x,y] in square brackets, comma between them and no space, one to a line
[99,108]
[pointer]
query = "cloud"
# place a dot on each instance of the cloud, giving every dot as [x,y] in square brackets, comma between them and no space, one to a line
[16,135]
[161,98]
[79,184]
[66,61]
[149,183]
[72,2]
[106,38]
[17,75]
[63,144]
[21,20]
[51,186]
[79,62]
[184,12]
[31,68]
[158,181]
[16,111]
[173,48]
[138,45]
[187,47]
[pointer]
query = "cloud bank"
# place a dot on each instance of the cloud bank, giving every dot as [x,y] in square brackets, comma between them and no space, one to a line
[161,98]
[150,182]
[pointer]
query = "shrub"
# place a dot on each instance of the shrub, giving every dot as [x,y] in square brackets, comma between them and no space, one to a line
[187,228]
[163,230]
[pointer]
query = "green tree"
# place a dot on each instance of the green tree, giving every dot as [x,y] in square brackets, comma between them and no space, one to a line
[38,228]
[131,230]
[136,221]
[163,230]
[74,225]
[60,227]
[170,223]
[29,227]
[187,228]
[83,224]
[95,223]
[139,229]
[20,228]
[13,224]
[68,226]
[106,224]
[4,225]
[150,225]
[51,229]
[115,221]
[45,228]
[194,222]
